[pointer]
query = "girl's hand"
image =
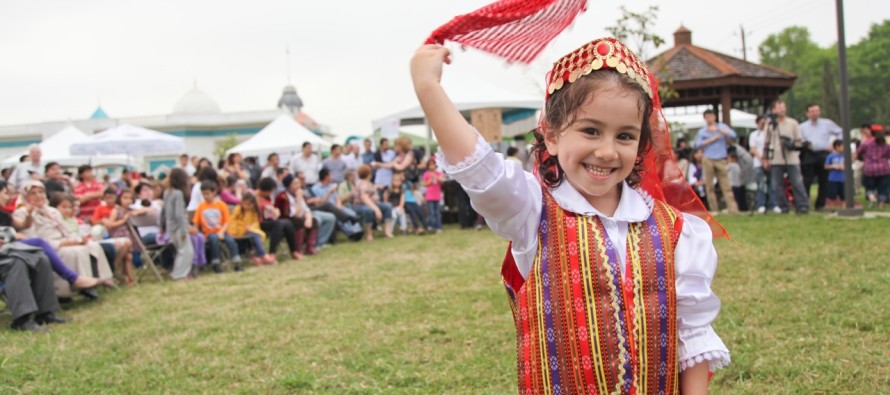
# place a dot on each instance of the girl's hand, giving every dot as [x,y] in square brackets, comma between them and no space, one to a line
[378,214]
[307,223]
[426,65]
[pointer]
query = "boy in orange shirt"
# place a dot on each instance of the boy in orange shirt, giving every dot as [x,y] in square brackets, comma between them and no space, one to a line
[212,217]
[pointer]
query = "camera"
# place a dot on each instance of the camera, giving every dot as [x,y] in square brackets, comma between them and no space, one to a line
[789,145]
[773,121]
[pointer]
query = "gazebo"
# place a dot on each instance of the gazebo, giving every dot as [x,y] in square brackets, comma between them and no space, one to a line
[704,77]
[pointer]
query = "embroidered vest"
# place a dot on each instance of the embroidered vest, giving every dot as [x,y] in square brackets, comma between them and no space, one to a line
[580,327]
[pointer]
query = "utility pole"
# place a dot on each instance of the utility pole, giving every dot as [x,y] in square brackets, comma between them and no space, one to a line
[849,211]
[744,47]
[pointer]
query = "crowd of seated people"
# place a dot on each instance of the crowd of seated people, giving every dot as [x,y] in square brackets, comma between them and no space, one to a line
[74,232]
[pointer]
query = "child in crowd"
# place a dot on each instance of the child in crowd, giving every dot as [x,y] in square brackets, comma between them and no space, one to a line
[396,198]
[694,175]
[246,223]
[117,227]
[174,224]
[412,208]
[617,279]
[102,212]
[212,218]
[734,173]
[834,163]
[66,204]
[116,250]
[432,180]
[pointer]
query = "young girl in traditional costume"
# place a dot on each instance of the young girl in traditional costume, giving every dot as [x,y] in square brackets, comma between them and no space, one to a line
[610,286]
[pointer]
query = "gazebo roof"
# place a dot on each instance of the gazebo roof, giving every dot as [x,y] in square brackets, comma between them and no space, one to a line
[685,63]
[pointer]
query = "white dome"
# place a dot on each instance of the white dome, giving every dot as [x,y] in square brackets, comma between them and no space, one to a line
[196,102]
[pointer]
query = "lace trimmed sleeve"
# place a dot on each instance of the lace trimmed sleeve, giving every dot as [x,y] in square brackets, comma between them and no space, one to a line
[697,305]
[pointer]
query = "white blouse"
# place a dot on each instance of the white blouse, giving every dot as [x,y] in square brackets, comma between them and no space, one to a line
[511,200]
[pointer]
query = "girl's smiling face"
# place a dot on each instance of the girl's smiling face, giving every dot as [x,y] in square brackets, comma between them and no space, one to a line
[598,149]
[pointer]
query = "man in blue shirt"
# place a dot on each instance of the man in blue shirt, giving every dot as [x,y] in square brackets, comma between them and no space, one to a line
[818,133]
[713,139]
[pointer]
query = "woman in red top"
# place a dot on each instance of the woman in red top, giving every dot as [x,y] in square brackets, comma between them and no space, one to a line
[88,192]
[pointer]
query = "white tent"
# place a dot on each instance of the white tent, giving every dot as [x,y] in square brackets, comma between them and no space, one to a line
[56,148]
[283,136]
[129,140]
[694,120]
[470,93]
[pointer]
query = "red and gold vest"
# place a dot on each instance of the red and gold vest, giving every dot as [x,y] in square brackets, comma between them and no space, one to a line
[580,327]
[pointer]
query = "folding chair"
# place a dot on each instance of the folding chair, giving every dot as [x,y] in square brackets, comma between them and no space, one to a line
[149,253]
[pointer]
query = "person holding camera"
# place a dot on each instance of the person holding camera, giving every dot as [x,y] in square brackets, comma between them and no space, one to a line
[818,133]
[784,143]
[713,139]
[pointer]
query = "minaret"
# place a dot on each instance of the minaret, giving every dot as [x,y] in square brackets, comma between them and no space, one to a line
[289,100]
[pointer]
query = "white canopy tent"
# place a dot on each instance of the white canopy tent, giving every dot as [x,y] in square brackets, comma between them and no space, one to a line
[57,147]
[693,121]
[282,136]
[129,140]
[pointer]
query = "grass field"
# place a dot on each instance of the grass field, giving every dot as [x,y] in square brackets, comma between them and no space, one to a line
[805,312]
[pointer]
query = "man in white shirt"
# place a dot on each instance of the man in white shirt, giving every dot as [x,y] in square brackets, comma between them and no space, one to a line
[184,164]
[350,156]
[756,143]
[307,163]
[28,170]
[819,133]
[270,170]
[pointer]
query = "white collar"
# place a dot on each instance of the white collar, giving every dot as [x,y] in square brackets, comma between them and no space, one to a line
[633,206]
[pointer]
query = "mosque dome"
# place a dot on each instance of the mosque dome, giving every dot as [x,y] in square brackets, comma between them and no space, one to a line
[290,100]
[196,102]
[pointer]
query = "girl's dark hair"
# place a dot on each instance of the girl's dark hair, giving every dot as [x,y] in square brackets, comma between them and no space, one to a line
[121,195]
[248,197]
[179,179]
[56,198]
[560,112]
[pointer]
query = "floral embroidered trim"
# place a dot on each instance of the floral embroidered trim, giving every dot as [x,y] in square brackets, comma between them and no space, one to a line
[482,150]
[716,360]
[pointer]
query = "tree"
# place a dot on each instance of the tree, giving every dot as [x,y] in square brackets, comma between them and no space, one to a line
[869,66]
[635,29]
[793,50]
[222,146]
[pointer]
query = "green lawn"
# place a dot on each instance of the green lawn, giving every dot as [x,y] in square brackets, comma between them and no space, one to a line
[804,312]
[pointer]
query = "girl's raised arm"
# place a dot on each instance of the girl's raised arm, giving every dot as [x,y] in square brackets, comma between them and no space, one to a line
[457,139]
